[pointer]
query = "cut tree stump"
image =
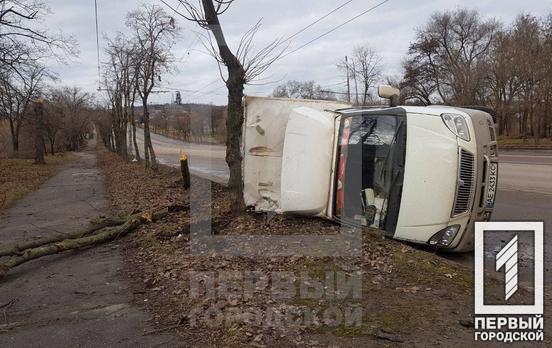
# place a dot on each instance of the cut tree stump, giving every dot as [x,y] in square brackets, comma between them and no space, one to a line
[101,236]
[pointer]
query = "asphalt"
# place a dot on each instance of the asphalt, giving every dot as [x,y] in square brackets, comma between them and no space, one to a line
[525,194]
[207,161]
[77,299]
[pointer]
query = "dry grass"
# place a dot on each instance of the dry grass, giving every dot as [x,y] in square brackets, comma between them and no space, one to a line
[19,177]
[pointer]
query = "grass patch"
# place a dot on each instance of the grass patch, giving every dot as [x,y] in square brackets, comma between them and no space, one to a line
[427,270]
[524,142]
[18,177]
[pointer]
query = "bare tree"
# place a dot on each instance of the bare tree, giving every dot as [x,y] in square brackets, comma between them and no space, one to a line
[54,118]
[154,31]
[67,118]
[121,78]
[503,80]
[417,84]
[368,69]
[23,42]
[526,36]
[302,90]
[452,52]
[242,67]
[16,95]
[348,67]
[459,58]
[546,87]
[364,68]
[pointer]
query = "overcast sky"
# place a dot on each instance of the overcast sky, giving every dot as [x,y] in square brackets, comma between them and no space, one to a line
[389,29]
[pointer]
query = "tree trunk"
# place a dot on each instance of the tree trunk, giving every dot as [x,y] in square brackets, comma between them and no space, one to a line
[149,153]
[39,133]
[133,120]
[95,226]
[104,235]
[234,124]
[14,131]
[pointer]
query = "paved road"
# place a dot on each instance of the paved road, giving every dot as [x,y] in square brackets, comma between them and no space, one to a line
[205,160]
[525,194]
[77,299]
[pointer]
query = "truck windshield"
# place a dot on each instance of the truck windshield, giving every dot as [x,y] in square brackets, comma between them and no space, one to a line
[370,167]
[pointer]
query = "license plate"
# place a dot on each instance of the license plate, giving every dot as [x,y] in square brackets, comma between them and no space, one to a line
[492,184]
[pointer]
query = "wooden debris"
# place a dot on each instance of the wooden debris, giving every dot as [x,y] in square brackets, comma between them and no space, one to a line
[80,240]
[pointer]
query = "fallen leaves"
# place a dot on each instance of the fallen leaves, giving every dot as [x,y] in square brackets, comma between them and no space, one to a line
[160,261]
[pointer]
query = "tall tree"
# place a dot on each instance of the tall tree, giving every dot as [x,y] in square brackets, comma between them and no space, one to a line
[155,32]
[503,80]
[452,52]
[16,95]
[121,80]
[526,37]
[364,68]
[368,69]
[23,42]
[67,117]
[242,67]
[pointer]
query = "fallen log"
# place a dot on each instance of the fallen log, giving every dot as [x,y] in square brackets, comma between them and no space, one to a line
[19,247]
[104,235]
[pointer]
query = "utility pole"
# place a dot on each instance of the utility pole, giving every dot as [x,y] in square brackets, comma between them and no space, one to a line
[348,80]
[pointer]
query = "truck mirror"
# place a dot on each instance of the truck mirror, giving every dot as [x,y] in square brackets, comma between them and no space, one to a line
[391,93]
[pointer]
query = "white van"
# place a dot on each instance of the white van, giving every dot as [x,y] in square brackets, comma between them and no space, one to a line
[420,174]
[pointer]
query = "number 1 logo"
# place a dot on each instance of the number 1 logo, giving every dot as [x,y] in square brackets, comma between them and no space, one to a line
[508,258]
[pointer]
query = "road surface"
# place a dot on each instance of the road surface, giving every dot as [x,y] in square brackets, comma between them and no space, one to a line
[525,194]
[524,186]
[205,160]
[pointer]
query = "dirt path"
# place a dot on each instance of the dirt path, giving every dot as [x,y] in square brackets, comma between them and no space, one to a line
[76,299]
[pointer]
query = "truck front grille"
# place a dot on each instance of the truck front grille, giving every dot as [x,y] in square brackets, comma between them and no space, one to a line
[464,189]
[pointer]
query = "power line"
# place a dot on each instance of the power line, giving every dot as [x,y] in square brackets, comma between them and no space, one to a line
[335,28]
[98,45]
[198,92]
[318,20]
[336,84]
[204,87]
[289,38]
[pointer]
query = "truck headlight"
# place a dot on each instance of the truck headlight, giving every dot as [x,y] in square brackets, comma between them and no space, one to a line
[444,238]
[458,125]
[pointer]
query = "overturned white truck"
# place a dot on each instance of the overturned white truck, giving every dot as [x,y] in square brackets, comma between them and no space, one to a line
[420,174]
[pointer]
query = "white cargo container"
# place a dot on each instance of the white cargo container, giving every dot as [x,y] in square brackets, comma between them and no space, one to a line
[420,174]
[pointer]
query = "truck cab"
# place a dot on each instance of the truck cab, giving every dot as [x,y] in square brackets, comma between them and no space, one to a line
[419,174]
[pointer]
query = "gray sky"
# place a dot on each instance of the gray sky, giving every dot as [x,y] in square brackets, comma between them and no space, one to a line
[388,29]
